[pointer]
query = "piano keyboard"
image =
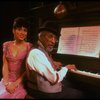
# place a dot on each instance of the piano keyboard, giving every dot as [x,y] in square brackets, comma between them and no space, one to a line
[86,73]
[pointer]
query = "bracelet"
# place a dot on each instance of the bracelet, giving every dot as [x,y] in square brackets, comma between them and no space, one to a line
[6,83]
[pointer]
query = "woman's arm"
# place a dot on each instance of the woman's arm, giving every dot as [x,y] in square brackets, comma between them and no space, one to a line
[20,79]
[11,87]
[5,70]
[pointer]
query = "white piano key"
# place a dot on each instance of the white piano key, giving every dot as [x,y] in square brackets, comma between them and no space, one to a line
[96,75]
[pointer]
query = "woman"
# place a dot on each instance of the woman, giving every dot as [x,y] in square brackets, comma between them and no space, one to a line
[14,55]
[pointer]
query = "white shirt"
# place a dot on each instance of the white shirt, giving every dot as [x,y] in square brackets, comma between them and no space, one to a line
[38,62]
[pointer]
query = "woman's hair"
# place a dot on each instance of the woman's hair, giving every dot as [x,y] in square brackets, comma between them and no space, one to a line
[20,22]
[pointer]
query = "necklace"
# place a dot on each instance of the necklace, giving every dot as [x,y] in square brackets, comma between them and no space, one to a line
[17,49]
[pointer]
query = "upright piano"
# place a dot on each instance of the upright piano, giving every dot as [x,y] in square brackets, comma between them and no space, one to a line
[87,75]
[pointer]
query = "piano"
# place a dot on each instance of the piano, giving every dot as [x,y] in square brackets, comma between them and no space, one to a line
[87,75]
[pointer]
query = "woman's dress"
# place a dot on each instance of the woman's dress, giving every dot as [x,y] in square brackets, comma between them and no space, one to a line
[15,67]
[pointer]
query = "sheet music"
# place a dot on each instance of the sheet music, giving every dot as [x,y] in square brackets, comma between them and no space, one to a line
[83,41]
[68,40]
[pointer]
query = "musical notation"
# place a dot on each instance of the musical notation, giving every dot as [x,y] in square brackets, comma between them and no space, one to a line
[82,41]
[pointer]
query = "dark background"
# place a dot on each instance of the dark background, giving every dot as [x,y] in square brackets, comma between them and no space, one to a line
[79,13]
[14,8]
[8,11]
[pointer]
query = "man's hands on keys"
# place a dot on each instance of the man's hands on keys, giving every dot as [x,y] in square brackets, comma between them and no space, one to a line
[71,67]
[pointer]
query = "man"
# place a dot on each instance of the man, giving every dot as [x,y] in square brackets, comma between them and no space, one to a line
[42,70]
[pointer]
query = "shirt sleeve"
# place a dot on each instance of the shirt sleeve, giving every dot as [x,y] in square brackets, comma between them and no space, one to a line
[5,45]
[39,63]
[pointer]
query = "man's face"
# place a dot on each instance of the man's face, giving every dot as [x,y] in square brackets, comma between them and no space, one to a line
[49,40]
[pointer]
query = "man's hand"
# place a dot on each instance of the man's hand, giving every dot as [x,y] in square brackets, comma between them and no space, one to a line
[71,67]
[58,64]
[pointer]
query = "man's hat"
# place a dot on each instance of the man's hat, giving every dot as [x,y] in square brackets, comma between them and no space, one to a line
[49,26]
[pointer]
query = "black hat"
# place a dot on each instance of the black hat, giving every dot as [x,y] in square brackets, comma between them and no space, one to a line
[49,26]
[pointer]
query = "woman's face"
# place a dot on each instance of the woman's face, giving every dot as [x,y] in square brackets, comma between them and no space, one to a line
[20,33]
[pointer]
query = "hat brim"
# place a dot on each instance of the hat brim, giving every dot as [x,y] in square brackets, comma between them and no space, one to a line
[47,29]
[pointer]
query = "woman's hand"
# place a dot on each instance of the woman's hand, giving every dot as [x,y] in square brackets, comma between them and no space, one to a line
[11,87]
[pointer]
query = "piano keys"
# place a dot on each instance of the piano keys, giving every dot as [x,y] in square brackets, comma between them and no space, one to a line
[86,81]
[87,77]
[88,74]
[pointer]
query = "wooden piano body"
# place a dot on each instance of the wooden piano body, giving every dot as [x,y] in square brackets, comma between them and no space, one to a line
[88,82]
